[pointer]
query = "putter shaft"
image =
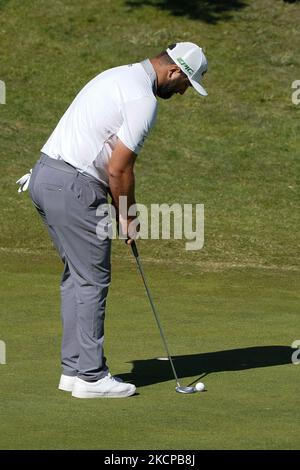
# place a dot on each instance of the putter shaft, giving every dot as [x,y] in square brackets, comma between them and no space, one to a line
[140,268]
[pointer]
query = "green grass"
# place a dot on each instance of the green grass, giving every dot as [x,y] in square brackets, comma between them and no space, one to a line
[236,327]
[237,152]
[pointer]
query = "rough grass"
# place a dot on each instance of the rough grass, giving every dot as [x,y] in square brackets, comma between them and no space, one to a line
[237,151]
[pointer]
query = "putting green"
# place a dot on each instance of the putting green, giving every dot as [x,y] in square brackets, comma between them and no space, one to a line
[233,328]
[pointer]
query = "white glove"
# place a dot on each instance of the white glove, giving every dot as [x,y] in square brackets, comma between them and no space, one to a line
[24,182]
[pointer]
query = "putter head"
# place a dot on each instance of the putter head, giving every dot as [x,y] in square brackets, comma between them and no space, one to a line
[185,389]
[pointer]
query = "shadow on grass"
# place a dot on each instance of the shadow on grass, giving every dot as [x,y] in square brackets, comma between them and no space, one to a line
[210,11]
[3,3]
[151,371]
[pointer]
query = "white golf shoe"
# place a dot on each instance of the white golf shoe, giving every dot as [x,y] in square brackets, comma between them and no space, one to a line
[67,382]
[108,387]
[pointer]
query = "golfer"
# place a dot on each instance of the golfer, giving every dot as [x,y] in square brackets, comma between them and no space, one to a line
[90,154]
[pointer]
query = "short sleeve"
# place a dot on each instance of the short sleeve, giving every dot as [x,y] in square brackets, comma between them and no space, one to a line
[138,118]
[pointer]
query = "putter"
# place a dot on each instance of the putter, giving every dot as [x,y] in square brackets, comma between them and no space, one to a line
[178,387]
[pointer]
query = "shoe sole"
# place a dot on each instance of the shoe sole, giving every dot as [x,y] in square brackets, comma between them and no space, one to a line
[102,395]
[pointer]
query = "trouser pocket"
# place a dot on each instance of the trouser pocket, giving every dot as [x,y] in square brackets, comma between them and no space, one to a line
[54,204]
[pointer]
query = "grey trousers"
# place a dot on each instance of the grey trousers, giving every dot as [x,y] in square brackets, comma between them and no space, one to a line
[67,202]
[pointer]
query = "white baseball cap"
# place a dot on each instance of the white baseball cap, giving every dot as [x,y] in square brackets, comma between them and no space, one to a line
[192,61]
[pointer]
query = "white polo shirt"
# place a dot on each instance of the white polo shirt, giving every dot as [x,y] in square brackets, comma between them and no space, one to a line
[117,104]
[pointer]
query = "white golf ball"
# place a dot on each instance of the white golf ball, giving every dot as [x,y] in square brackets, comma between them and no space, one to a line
[200,387]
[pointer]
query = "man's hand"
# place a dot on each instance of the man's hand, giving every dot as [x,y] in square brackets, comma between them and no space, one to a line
[130,228]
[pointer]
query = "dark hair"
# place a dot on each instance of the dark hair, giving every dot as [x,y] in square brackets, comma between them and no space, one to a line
[164,56]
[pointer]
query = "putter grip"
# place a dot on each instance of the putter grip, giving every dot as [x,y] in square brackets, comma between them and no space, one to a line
[134,249]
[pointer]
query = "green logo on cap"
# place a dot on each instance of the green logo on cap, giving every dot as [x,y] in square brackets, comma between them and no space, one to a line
[186,67]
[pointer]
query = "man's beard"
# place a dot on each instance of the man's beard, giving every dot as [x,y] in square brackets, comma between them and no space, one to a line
[166,91]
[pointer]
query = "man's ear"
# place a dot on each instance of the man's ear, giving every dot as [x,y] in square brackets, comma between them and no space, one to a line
[173,70]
